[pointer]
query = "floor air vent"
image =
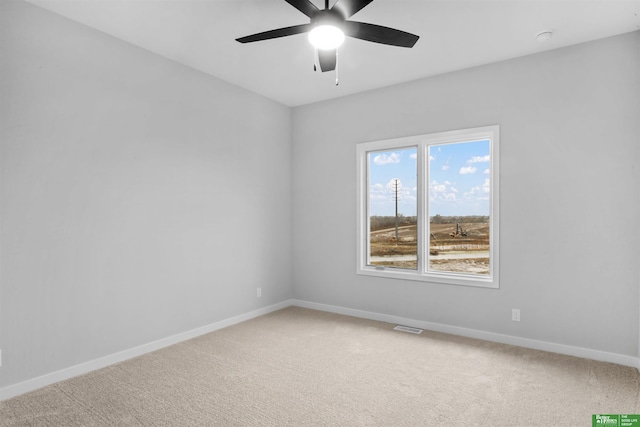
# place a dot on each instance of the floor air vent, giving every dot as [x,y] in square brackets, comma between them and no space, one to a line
[408,329]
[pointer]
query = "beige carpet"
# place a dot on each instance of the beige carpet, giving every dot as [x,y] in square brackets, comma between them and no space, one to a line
[299,367]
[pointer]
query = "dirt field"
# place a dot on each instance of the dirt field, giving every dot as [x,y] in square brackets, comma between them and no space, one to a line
[448,252]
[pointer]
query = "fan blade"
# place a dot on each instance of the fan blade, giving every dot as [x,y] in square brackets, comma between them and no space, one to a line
[348,8]
[274,34]
[304,6]
[379,34]
[327,59]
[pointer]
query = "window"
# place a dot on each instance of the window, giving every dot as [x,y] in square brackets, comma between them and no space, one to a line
[428,207]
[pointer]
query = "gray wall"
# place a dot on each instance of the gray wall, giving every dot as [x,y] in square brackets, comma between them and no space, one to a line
[140,198]
[570,198]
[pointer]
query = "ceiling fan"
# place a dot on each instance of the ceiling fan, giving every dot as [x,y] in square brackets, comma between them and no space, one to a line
[329,26]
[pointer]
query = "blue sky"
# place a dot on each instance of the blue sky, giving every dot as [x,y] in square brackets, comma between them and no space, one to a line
[458,179]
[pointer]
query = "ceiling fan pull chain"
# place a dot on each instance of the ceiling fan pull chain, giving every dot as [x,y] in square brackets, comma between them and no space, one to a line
[315,59]
[337,80]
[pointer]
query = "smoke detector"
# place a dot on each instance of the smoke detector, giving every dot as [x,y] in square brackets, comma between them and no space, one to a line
[544,36]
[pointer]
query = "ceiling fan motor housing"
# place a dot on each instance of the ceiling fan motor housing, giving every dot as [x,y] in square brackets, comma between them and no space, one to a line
[327,17]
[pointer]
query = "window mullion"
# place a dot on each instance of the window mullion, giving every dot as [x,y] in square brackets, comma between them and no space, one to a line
[423,252]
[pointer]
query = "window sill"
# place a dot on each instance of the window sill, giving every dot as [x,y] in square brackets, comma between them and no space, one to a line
[441,278]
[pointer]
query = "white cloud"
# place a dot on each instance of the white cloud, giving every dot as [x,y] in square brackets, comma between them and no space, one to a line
[377,192]
[406,198]
[438,188]
[445,167]
[479,159]
[391,185]
[414,155]
[486,172]
[442,191]
[479,192]
[431,158]
[472,193]
[467,169]
[387,191]
[404,193]
[384,159]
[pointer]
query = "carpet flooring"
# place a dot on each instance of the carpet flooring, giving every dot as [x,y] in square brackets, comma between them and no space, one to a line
[300,367]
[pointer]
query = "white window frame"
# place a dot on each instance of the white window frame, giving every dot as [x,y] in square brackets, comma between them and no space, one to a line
[423,142]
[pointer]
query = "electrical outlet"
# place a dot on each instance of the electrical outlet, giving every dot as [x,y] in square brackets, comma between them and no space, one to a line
[259,292]
[515,314]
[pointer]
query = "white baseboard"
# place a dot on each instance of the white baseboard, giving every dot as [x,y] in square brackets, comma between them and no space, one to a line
[585,353]
[102,362]
[83,368]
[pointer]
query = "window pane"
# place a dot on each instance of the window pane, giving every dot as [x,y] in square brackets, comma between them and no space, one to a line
[392,202]
[459,207]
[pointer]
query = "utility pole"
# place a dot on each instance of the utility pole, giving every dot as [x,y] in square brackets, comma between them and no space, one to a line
[396,196]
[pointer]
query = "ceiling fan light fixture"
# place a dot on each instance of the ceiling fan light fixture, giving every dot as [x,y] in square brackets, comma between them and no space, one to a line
[326,37]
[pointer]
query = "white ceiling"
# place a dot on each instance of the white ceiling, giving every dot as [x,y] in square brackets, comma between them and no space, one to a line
[454,34]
